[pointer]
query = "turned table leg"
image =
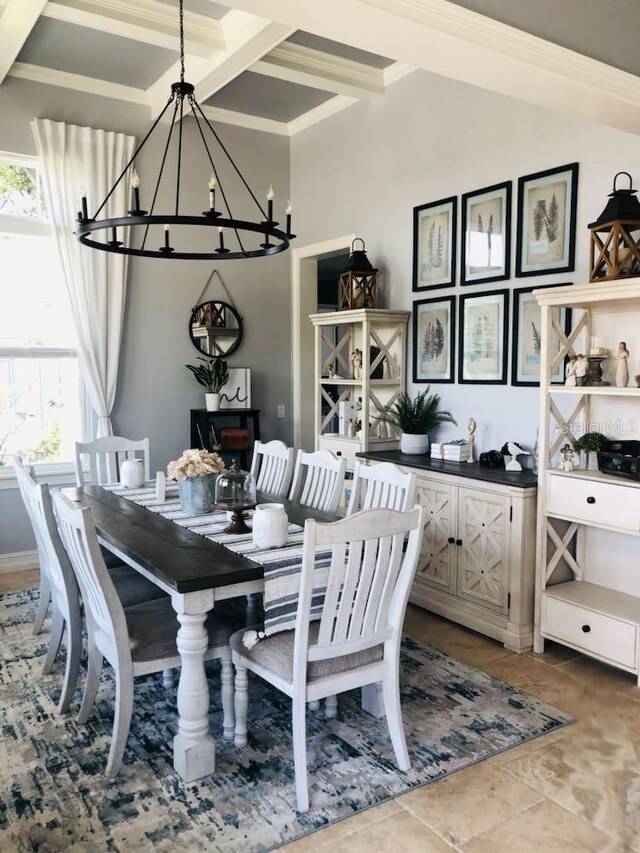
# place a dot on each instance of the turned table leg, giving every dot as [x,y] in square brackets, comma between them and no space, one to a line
[194,751]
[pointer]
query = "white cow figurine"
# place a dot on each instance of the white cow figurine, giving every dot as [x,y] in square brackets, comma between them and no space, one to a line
[514,451]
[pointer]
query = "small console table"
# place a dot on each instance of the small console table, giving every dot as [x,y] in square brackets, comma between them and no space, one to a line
[202,421]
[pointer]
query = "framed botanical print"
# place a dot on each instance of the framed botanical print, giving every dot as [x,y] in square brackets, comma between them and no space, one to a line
[433,339]
[526,342]
[486,234]
[547,204]
[483,338]
[434,244]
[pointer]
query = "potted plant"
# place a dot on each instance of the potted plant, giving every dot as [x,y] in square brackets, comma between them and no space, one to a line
[213,374]
[196,473]
[589,443]
[414,418]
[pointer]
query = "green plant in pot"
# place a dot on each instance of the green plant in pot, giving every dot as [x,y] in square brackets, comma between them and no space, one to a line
[589,443]
[414,418]
[212,374]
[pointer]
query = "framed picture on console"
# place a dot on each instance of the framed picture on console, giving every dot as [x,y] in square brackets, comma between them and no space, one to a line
[433,339]
[526,343]
[547,203]
[483,338]
[486,234]
[434,244]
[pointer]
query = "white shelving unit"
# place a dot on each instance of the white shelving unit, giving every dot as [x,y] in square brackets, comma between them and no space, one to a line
[581,600]
[381,336]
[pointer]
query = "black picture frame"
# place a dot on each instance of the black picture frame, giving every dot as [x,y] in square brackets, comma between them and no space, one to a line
[447,376]
[447,207]
[565,319]
[501,192]
[501,340]
[527,183]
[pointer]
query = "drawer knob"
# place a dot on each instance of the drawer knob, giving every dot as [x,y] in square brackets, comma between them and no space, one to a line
[451,540]
[458,542]
[591,499]
[586,628]
[339,453]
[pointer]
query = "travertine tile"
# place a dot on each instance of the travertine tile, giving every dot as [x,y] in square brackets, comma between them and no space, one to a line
[554,654]
[469,802]
[600,676]
[545,827]
[338,831]
[401,831]
[531,745]
[12,581]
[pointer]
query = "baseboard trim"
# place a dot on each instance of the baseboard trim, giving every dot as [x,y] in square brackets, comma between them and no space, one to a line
[18,561]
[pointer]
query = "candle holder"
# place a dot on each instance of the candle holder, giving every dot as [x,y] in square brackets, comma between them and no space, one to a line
[594,373]
[236,493]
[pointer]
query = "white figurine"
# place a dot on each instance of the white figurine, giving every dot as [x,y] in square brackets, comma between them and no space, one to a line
[471,428]
[332,372]
[582,365]
[570,372]
[514,451]
[622,370]
[356,364]
[566,458]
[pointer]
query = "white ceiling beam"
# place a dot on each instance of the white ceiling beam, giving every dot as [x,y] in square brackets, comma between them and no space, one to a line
[146,21]
[78,82]
[321,70]
[16,22]
[266,125]
[247,39]
[447,39]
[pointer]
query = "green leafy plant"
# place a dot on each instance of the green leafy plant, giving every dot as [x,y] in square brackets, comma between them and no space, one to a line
[590,442]
[418,416]
[213,374]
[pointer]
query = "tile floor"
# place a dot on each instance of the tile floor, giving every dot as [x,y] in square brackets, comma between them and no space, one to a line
[577,789]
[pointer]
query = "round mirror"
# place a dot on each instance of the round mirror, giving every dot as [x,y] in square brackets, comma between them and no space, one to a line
[215,328]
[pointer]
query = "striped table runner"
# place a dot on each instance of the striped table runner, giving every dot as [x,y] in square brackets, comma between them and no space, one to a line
[282,566]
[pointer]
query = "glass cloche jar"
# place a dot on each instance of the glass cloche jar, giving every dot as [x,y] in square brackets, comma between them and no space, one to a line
[235,492]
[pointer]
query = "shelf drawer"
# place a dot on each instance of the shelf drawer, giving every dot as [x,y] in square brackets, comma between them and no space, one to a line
[344,449]
[601,635]
[591,502]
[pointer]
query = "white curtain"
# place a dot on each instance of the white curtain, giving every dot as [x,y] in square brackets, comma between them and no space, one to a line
[72,157]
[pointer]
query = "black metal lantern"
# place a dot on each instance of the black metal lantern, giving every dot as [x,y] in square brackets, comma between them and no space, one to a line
[615,236]
[357,288]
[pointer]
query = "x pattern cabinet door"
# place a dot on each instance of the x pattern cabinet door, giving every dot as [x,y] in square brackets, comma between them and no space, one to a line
[437,557]
[484,548]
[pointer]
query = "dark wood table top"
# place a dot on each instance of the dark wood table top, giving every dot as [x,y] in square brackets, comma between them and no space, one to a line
[184,560]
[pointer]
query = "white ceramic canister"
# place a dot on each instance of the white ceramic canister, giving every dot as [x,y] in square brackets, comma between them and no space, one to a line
[132,473]
[270,526]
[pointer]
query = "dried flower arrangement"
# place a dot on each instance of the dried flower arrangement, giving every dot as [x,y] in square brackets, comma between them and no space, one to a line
[194,463]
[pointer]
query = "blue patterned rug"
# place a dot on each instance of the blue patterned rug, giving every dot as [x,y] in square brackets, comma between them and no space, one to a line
[54,796]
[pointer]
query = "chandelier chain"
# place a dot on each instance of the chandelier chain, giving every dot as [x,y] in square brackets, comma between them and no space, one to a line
[181,42]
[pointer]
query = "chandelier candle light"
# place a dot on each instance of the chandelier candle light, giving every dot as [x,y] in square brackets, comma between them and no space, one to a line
[244,234]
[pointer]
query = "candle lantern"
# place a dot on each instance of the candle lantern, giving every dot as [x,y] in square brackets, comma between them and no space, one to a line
[357,287]
[615,236]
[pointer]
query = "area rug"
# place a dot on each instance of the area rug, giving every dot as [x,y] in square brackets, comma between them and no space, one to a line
[54,796]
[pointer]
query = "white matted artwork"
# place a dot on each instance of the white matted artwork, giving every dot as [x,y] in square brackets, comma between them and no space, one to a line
[483,338]
[486,229]
[527,341]
[236,394]
[433,339]
[434,244]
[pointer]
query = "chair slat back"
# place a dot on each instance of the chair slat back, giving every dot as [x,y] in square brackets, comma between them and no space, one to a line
[105,616]
[368,582]
[318,480]
[51,554]
[272,467]
[383,486]
[106,455]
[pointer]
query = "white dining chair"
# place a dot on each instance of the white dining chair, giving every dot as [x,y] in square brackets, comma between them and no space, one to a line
[135,640]
[357,638]
[105,456]
[381,486]
[272,467]
[318,480]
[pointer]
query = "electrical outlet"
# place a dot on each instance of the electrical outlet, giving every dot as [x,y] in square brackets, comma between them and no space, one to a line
[281,410]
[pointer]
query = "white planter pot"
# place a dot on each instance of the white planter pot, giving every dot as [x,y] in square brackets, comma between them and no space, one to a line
[212,402]
[414,444]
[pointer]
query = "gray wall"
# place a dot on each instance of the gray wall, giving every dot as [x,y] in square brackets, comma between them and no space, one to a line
[365,168]
[155,390]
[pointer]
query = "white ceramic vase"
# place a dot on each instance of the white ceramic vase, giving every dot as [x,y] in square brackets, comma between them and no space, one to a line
[270,526]
[132,473]
[212,402]
[414,444]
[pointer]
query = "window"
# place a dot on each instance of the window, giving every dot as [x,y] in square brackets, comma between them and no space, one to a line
[39,380]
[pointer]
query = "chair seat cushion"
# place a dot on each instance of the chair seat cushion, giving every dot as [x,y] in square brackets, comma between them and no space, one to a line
[276,654]
[132,587]
[153,628]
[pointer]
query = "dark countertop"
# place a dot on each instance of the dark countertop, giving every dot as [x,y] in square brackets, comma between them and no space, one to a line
[520,479]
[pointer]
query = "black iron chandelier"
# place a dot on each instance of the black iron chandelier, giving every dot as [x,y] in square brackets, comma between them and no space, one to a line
[246,239]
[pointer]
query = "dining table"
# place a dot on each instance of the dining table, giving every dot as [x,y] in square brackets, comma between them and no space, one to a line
[196,572]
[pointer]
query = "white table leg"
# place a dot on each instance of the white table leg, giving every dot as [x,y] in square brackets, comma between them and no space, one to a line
[194,752]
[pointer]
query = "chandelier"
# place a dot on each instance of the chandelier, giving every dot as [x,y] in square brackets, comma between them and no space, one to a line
[227,237]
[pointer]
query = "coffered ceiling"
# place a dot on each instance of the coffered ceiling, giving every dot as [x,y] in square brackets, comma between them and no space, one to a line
[282,65]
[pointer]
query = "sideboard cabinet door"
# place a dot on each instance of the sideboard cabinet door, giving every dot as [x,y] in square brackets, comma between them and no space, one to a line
[436,564]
